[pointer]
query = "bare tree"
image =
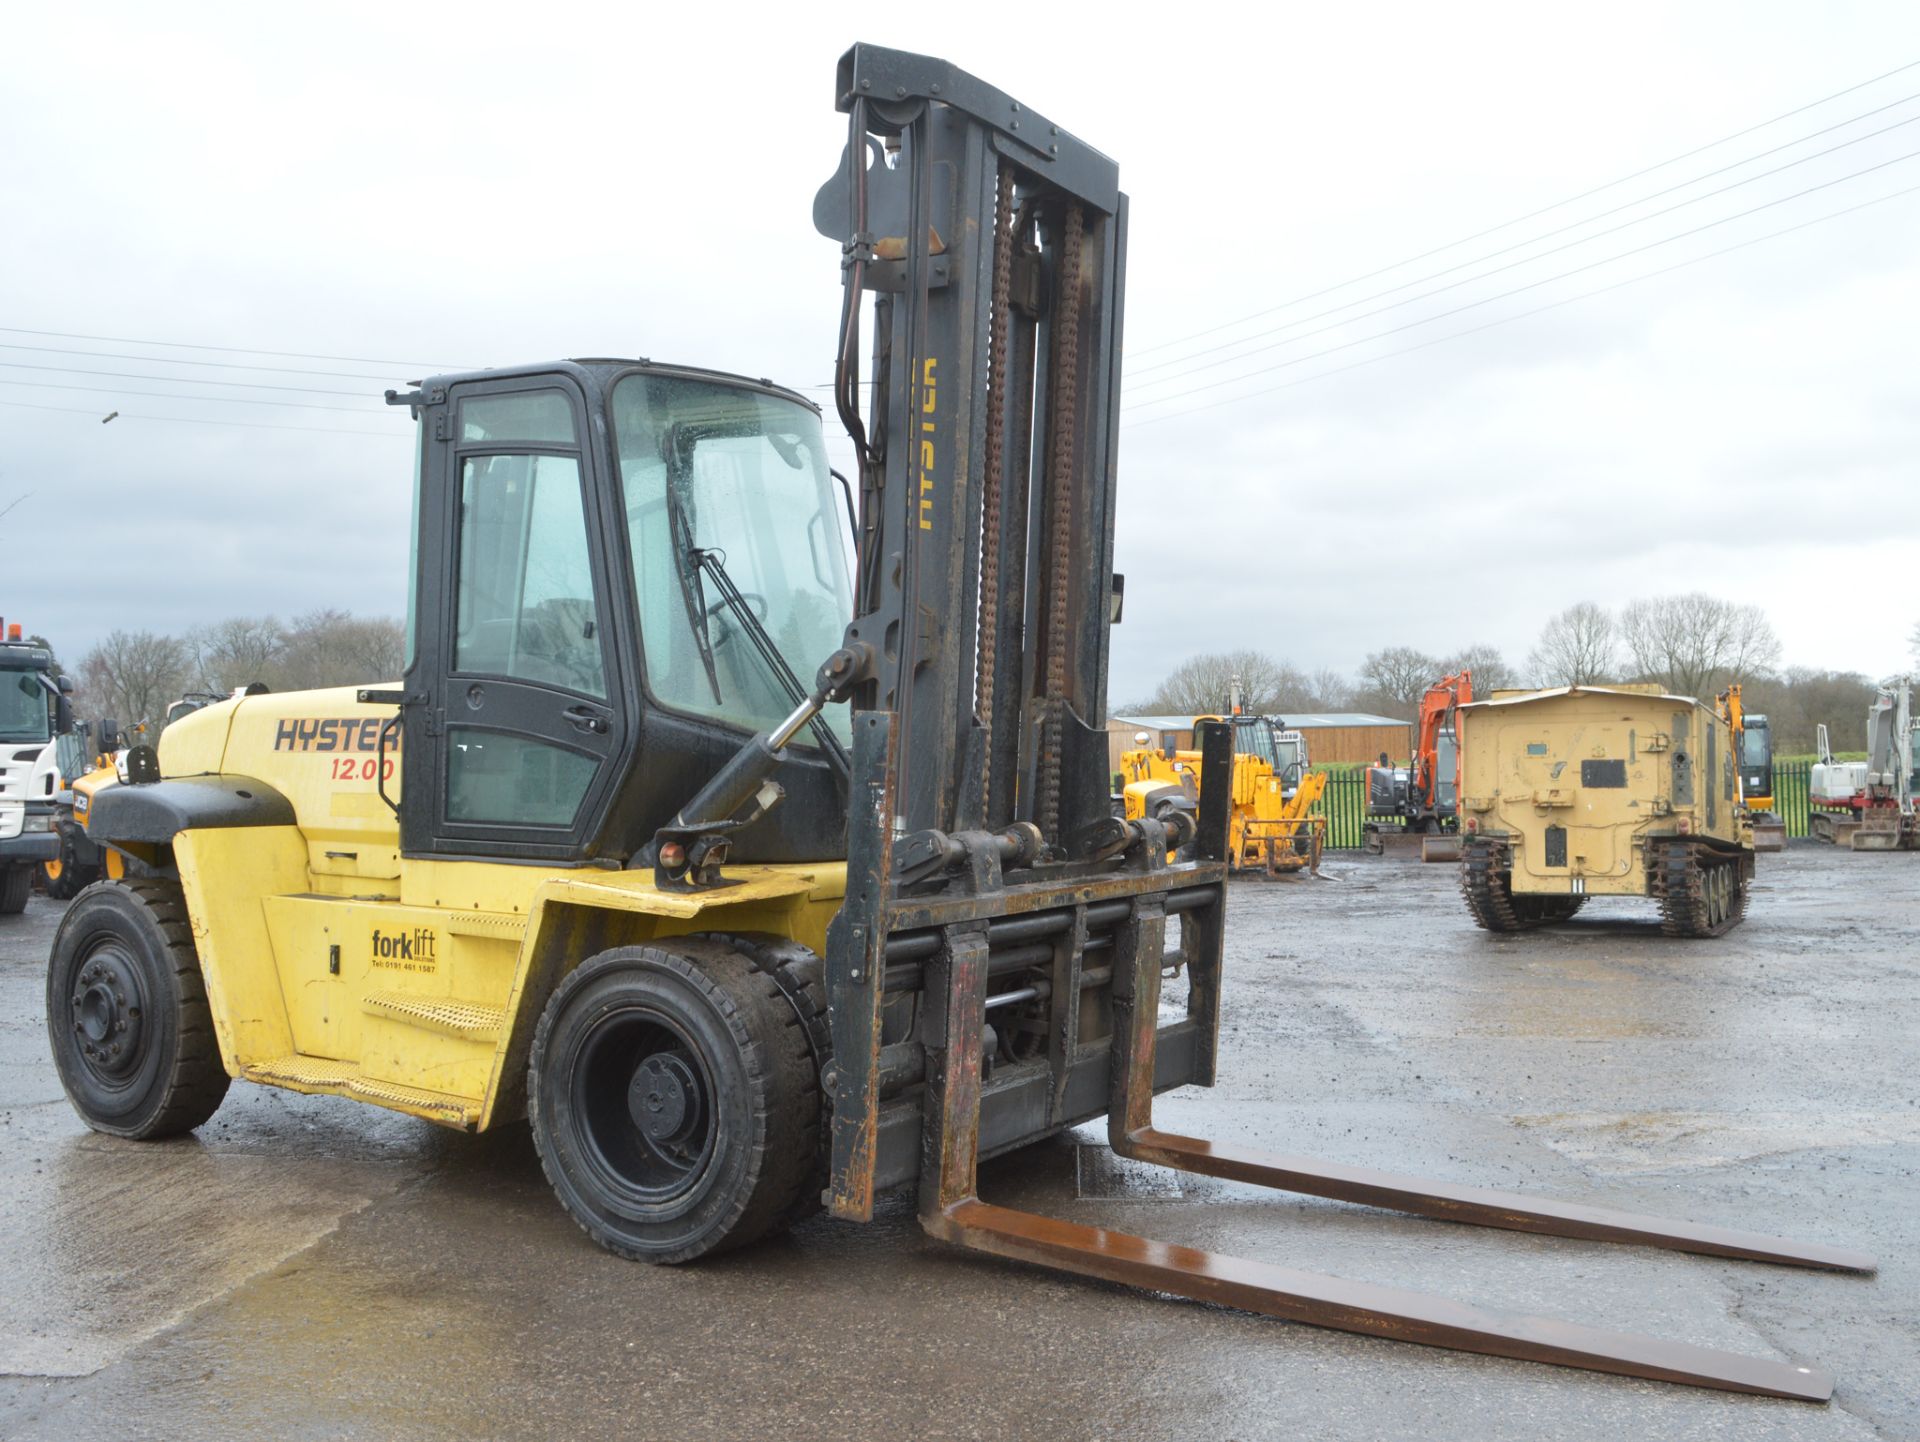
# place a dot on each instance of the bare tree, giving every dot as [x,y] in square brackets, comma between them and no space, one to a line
[1201,685]
[1691,644]
[1798,701]
[1490,669]
[1913,641]
[1578,647]
[1393,681]
[133,675]
[238,651]
[332,648]
[1330,690]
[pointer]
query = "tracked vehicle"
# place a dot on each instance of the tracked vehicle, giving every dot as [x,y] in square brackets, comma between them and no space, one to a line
[610,855]
[1601,791]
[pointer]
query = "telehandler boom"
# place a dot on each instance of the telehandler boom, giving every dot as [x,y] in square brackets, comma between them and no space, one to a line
[732,957]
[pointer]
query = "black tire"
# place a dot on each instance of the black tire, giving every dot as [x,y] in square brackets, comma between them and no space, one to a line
[127,1013]
[802,978]
[674,1099]
[66,875]
[16,883]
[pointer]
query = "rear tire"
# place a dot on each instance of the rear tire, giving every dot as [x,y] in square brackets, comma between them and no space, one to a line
[674,1099]
[127,1014]
[16,882]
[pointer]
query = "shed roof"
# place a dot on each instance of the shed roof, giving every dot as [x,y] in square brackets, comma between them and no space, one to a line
[1293,720]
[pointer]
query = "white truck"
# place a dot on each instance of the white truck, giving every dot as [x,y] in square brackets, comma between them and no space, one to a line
[33,709]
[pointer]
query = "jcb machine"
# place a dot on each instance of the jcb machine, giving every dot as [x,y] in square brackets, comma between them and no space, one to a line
[602,857]
[1601,791]
[1417,804]
[1753,770]
[1270,822]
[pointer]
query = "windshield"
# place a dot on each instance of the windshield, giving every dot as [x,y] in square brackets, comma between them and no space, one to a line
[26,712]
[713,468]
[1755,749]
[1446,767]
[1254,738]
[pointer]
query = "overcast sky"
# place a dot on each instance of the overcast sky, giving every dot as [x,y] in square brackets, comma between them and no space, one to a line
[479,186]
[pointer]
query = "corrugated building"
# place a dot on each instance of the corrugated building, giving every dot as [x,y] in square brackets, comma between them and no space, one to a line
[1333,737]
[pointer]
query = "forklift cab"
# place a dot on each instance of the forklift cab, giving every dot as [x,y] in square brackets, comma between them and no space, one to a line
[610,558]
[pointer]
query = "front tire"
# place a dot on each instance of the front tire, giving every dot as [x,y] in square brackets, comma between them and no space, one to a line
[127,1014]
[674,1100]
[66,875]
[16,882]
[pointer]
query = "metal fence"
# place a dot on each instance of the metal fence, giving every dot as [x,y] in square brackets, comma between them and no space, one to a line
[1344,803]
[1791,788]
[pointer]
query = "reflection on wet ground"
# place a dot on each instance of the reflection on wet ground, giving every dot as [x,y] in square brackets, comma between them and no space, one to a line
[311,1268]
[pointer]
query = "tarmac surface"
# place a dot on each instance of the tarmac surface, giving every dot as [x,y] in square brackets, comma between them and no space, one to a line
[310,1268]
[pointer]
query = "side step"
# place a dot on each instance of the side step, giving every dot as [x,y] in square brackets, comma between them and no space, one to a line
[950,1209]
[325,1076]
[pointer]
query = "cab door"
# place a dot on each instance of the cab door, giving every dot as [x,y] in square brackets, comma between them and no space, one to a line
[513,741]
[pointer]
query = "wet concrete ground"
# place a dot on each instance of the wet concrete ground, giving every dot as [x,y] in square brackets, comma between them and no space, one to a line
[314,1268]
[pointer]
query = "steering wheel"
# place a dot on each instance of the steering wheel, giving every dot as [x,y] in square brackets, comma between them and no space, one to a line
[755,602]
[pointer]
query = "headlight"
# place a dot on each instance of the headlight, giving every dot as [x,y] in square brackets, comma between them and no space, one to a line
[38,823]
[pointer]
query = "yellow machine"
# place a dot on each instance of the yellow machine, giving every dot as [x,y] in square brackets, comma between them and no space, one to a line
[1753,772]
[757,887]
[1274,793]
[1601,791]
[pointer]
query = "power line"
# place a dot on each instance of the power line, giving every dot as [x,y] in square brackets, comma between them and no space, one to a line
[1530,285]
[176,361]
[177,396]
[1523,315]
[180,380]
[1510,265]
[1558,230]
[229,349]
[204,421]
[1532,215]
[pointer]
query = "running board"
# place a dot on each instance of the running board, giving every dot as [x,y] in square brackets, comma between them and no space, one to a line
[1372,1311]
[951,1210]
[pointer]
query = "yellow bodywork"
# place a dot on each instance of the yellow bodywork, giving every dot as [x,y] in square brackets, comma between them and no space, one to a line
[333,965]
[1576,780]
[1268,828]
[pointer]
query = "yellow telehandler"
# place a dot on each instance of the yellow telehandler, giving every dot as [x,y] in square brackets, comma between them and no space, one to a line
[1271,825]
[610,855]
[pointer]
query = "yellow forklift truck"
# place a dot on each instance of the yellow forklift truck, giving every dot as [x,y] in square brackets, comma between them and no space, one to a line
[612,855]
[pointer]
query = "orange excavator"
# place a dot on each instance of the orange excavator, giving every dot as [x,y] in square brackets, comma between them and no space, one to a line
[1418,805]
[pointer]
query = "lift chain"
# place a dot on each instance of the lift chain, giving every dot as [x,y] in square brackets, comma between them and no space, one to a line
[1062,409]
[992,476]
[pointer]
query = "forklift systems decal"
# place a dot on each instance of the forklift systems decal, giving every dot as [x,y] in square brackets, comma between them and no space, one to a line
[406,950]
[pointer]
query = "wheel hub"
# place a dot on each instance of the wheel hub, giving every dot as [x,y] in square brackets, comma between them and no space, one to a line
[665,1102]
[107,1013]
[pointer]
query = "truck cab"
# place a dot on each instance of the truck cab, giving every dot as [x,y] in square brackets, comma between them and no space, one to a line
[33,710]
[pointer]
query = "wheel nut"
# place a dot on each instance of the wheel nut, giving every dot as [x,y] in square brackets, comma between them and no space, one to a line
[120,1026]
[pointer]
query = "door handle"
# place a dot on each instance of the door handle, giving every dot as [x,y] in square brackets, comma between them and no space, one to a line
[586,718]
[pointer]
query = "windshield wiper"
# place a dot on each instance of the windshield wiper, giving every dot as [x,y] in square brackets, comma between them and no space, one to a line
[686,562]
[731,596]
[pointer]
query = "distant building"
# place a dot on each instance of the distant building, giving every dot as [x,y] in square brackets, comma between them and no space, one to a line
[1336,737]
